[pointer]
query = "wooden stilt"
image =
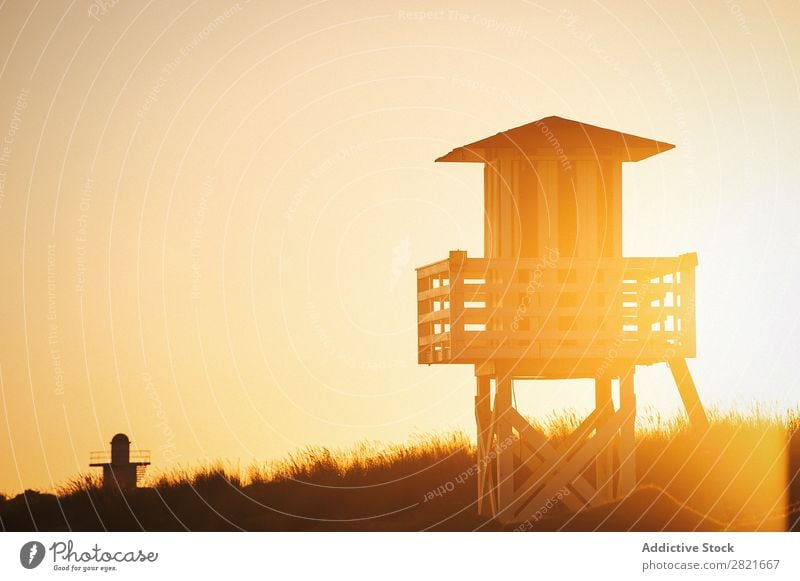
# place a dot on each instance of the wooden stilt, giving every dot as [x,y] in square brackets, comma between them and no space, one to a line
[604,470]
[483,419]
[555,472]
[504,449]
[691,401]
[627,442]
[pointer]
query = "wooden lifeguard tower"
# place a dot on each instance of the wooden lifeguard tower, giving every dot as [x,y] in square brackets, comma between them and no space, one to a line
[123,468]
[553,298]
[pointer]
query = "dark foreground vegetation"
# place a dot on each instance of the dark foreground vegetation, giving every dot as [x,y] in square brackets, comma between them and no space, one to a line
[743,475]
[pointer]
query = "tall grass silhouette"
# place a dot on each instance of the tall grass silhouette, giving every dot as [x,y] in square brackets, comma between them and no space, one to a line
[744,474]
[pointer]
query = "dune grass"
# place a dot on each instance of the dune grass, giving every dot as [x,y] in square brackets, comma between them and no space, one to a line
[742,472]
[315,465]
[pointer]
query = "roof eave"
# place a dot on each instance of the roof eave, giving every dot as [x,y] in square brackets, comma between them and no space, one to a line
[464,154]
[468,155]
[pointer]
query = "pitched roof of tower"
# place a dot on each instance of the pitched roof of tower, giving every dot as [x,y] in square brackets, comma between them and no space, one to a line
[556,134]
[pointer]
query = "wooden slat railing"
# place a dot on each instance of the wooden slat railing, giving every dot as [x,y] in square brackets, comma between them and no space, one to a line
[471,310]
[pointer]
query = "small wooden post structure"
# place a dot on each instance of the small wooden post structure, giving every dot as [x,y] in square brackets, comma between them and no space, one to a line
[553,298]
[123,468]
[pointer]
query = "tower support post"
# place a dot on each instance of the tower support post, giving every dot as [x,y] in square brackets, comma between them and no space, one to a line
[627,435]
[604,464]
[483,420]
[691,400]
[504,449]
[523,474]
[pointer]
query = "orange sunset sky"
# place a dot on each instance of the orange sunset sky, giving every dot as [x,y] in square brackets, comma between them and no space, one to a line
[210,212]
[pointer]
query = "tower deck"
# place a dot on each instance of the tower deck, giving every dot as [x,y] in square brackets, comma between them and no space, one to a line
[559,317]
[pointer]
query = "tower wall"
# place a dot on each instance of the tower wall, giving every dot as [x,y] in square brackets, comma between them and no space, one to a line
[535,205]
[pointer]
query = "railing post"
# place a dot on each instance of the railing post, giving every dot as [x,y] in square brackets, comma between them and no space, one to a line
[686,266]
[456,295]
[424,353]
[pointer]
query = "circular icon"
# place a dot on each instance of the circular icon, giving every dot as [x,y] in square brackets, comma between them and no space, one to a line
[31,554]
